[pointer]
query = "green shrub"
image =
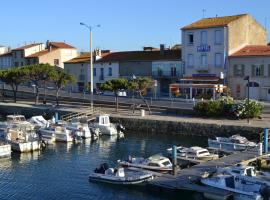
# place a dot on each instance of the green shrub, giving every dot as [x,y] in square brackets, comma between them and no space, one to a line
[226,107]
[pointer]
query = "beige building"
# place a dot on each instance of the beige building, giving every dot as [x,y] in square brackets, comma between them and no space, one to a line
[206,46]
[252,61]
[55,54]
[19,54]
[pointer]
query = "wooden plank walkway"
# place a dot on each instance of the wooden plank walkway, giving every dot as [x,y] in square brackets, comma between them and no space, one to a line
[187,179]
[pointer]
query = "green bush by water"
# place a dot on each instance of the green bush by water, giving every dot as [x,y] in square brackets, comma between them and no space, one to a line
[228,108]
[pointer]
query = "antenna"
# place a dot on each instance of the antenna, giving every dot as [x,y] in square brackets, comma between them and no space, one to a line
[203,12]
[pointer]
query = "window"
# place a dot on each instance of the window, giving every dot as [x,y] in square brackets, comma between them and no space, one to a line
[203,37]
[218,60]
[101,74]
[21,54]
[239,70]
[257,70]
[218,39]
[110,71]
[56,61]
[22,64]
[190,60]
[190,38]
[95,71]
[173,70]
[203,60]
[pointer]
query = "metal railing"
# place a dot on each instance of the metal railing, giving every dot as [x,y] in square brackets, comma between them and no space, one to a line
[87,114]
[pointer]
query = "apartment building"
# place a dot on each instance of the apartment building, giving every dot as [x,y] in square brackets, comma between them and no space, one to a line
[206,46]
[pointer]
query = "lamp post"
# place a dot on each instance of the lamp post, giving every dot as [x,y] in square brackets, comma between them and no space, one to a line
[44,79]
[91,63]
[247,79]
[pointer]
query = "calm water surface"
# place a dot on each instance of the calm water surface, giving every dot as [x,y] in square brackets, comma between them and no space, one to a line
[61,170]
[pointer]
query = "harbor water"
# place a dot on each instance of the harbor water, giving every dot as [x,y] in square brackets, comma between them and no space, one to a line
[61,170]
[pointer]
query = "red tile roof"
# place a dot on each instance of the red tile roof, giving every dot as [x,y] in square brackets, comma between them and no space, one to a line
[26,47]
[253,50]
[142,56]
[212,22]
[38,54]
[61,45]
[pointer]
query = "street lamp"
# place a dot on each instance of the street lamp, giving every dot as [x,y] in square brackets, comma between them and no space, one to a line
[91,62]
[247,79]
[44,79]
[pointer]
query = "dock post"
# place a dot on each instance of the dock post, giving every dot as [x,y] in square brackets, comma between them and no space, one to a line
[266,140]
[260,149]
[174,159]
[56,117]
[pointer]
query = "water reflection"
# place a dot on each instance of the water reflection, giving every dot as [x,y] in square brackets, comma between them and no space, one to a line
[61,170]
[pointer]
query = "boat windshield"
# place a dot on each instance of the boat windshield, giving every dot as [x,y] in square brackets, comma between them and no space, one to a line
[166,163]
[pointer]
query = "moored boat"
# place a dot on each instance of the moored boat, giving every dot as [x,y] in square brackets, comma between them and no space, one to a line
[233,143]
[56,133]
[5,150]
[119,175]
[241,189]
[157,163]
[193,154]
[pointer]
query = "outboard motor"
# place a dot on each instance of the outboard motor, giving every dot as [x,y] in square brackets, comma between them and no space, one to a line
[95,133]
[120,128]
[103,167]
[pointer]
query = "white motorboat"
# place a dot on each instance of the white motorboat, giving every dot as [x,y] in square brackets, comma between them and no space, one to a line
[241,189]
[119,175]
[82,130]
[248,173]
[56,133]
[157,163]
[105,126]
[14,121]
[22,140]
[233,143]
[193,154]
[38,121]
[5,150]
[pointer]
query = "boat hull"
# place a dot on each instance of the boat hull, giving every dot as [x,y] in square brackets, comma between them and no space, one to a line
[25,146]
[151,168]
[5,150]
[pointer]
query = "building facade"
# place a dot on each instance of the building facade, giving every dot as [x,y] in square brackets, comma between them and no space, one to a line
[6,60]
[208,43]
[252,61]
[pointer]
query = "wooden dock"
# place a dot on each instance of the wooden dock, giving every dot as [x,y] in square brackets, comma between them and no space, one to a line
[188,179]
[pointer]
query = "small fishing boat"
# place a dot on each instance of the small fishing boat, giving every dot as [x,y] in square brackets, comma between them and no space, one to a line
[119,175]
[157,163]
[82,130]
[233,143]
[105,126]
[5,150]
[241,189]
[22,140]
[57,133]
[38,122]
[248,173]
[193,154]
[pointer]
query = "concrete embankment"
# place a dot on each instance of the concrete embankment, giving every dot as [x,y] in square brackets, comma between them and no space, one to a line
[148,124]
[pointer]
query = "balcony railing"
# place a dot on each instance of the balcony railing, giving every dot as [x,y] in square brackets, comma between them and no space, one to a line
[166,73]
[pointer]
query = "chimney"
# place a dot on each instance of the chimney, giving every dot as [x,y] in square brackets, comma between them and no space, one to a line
[162,49]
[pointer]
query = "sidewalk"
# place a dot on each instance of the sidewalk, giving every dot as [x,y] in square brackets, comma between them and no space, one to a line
[126,113]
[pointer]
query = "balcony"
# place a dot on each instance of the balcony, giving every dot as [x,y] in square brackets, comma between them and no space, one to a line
[166,74]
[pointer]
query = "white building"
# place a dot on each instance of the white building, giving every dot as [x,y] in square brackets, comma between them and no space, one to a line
[3,50]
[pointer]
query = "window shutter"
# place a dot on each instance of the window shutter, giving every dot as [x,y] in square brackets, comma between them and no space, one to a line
[243,70]
[269,70]
[235,70]
[253,70]
[262,70]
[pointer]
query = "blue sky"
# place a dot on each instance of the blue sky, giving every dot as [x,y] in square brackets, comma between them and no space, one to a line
[125,24]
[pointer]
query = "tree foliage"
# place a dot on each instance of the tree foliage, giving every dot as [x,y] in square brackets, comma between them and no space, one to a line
[60,79]
[14,77]
[141,85]
[115,85]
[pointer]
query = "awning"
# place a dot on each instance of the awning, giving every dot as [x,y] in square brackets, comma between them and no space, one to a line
[204,79]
